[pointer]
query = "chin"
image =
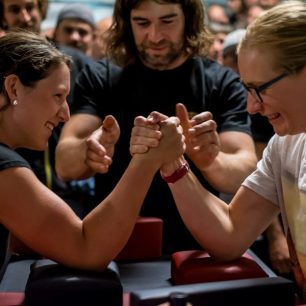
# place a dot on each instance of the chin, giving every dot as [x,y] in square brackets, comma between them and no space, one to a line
[40,146]
[280,133]
[288,132]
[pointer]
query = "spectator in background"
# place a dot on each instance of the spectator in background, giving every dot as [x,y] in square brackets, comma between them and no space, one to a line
[219,32]
[237,13]
[23,14]
[99,45]
[219,25]
[217,13]
[272,247]
[267,4]
[253,12]
[229,53]
[75,27]
[249,3]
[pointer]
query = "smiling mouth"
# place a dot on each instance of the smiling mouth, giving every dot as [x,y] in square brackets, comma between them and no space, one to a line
[156,50]
[273,117]
[50,126]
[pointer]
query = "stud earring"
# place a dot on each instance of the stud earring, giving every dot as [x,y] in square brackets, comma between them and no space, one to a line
[15,102]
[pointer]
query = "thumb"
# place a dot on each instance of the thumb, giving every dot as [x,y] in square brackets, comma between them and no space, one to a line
[182,114]
[156,117]
[109,123]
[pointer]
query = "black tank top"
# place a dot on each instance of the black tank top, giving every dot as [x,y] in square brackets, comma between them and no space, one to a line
[8,159]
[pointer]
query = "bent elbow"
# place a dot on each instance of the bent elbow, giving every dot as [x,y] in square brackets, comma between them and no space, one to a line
[226,254]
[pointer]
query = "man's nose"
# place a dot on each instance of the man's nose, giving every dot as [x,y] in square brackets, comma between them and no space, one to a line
[154,33]
[24,15]
[75,35]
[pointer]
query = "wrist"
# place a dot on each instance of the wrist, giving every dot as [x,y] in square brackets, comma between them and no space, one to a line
[177,174]
[169,168]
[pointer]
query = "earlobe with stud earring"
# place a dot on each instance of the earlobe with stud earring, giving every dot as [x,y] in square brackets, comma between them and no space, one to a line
[15,102]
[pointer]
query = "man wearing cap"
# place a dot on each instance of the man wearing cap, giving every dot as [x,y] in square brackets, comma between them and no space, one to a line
[75,27]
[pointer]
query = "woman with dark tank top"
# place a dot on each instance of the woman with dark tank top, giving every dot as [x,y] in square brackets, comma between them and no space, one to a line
[35,82]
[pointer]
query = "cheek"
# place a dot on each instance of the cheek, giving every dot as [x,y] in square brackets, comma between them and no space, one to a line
[88,38]
[35,15]
[138,35]
[10,19]
[180,33]
[288,96]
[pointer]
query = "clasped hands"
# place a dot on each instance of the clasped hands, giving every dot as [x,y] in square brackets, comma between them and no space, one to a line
[201,140]
[202,143]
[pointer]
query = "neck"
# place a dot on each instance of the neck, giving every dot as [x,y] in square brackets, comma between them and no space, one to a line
[176,63]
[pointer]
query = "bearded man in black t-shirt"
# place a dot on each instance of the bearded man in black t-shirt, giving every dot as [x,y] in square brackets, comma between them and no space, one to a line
[156,59]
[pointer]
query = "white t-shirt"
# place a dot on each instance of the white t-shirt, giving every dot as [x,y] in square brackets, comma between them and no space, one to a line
[280,177]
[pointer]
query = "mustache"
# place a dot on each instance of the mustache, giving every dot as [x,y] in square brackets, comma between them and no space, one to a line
[162,43]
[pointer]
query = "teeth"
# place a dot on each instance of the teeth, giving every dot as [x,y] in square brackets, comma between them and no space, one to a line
[273,116]
[49,126]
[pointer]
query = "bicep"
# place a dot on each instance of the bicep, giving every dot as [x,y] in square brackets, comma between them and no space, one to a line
[233,142]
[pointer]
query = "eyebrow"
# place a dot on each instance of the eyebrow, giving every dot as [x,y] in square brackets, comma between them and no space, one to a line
[139,18]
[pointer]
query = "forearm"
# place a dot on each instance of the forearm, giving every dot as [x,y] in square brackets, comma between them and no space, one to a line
[274,230]
[70,159]
[278,247]
[19,247]
[93,242]
[118,212]
[207,217]
[228,171]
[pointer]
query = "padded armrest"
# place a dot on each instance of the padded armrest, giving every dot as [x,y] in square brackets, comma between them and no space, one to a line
[11,298]
[145,242]
[189,267]
[51,284]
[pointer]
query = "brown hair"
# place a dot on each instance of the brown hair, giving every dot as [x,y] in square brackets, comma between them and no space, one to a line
[42,6]
[29,56]
[120,42]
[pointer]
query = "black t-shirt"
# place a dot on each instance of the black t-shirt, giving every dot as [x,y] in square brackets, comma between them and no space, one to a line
[8,159]
[202,85]
[262,130]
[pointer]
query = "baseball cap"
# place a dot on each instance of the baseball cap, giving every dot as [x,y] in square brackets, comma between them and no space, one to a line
[76,11]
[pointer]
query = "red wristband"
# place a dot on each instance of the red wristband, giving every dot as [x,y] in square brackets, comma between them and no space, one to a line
[177,174]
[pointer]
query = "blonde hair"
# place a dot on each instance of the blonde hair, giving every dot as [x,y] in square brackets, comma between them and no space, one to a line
[281,31]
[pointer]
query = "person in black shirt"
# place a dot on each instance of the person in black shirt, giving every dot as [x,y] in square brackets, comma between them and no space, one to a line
[156,59]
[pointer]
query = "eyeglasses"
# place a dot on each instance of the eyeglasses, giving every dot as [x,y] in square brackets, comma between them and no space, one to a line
[255,91]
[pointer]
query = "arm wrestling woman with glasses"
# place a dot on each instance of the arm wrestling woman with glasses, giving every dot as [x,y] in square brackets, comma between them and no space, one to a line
[274,45]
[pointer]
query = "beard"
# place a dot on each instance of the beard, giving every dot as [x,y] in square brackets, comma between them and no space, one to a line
[160,61]
[78,45]
[32,27]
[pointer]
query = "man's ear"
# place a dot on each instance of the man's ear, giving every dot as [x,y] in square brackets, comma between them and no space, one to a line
[10,85]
